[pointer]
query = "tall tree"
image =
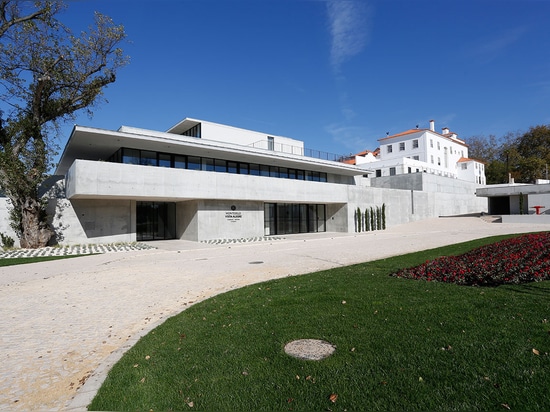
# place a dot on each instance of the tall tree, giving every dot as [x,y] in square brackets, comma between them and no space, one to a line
[47,74]
[534,148]
[489,150]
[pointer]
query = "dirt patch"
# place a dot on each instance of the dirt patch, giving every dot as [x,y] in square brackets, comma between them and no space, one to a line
[309,349]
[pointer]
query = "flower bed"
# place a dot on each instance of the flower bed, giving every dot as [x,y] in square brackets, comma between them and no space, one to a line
[518,260]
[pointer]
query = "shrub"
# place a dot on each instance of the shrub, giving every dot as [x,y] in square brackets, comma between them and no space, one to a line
[7,241]
[518,260]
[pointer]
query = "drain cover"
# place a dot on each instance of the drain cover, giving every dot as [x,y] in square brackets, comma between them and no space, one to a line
[309,349]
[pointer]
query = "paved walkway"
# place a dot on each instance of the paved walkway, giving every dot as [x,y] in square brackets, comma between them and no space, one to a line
[64,323]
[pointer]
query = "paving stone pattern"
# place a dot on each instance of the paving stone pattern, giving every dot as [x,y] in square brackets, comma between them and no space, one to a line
[73,250]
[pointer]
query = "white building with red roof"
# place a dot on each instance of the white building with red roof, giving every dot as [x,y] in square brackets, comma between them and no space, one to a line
[423,150]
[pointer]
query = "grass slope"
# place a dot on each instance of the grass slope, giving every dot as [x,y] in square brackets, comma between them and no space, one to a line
[400,345]
[25,260]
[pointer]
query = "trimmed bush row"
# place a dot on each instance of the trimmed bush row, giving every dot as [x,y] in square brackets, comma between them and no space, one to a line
[512,261]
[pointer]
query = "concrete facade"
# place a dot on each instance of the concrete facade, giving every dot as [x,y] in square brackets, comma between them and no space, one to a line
[213,181]
[517,202]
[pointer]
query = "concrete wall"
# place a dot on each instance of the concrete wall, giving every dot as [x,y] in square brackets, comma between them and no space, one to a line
[93,180]
[229,219]
[534,219]
[229,134]
[105,212]
[426,182]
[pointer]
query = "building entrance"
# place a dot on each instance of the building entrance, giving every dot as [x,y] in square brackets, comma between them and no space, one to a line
[155,221]
[285,218]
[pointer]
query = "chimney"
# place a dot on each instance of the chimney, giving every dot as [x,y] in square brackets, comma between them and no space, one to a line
[432,125]
[445,130]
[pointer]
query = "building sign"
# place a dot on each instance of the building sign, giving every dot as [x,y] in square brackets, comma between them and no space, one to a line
[233,216]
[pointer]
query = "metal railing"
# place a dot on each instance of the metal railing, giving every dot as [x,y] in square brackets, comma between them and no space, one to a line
[298,150]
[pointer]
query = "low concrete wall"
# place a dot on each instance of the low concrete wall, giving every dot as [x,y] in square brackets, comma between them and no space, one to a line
[535,219]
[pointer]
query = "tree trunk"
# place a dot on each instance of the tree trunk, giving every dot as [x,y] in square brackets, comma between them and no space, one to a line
[35,232]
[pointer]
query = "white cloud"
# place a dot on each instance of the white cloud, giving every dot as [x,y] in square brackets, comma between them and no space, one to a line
[348,29]
[489,49]
[352,138]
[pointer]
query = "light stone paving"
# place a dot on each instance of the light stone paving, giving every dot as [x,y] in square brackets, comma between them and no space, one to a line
[64,323]
[73,250]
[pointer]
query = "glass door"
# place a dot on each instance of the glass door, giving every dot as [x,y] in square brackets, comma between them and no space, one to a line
[155,221]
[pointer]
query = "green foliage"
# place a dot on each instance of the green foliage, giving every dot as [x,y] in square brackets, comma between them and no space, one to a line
[400,345]
[521,204]
[367,220]
[383,216]
[7,241]
[47,74]
[372,219]
[525,156]
[359,220]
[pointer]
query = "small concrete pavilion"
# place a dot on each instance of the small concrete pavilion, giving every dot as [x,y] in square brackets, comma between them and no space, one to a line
[518,203]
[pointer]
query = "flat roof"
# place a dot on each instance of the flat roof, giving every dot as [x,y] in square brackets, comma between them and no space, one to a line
[513,189]
[99,144]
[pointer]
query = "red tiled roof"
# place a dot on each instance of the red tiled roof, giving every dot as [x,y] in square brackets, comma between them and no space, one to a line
[406,132]
[466,159]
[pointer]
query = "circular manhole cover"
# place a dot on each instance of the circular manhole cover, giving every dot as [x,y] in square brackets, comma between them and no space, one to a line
[309,349]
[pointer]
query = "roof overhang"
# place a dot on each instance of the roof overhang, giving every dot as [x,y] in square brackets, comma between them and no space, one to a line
[99,144]
[513,190]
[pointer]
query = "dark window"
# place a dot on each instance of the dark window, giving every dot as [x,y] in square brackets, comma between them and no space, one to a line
[378,172]
[284,218]
[151,158]
[165,160]
[243,168]
[180,162]
[195,131]
[270,143]
[392,171]
[207,164]
[220,165]
[232,167]
[130,156]
[148,158]
[194,163]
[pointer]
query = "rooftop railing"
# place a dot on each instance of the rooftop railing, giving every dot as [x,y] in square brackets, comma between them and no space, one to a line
[298,150]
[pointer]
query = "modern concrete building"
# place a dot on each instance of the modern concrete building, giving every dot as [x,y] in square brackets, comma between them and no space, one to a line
[201,181]
[518,202]
[423,150]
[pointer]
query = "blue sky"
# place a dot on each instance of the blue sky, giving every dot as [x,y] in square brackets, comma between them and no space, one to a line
[336,74]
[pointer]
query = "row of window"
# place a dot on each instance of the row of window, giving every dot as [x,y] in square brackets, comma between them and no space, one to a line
[402,146]
[150,158]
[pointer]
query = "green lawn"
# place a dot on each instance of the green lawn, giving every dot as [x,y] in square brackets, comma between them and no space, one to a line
[401,345]
[24,260]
